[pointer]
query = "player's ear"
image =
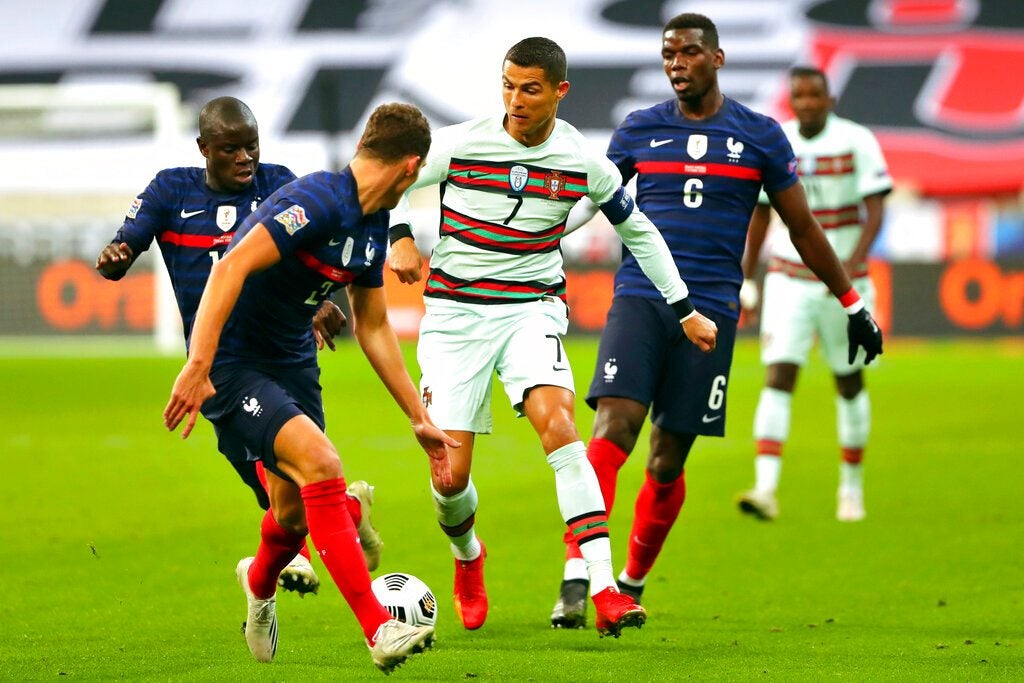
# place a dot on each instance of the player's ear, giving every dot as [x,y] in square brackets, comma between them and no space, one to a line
[719,58]
[562,90]
[203,148]
[412,165]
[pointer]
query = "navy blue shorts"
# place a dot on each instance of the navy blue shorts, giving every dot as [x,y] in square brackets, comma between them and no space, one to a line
[233,448]
[645,356]
[251,405]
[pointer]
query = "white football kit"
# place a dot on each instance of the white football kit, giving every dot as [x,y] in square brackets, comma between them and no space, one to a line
[838,167]
[495,295]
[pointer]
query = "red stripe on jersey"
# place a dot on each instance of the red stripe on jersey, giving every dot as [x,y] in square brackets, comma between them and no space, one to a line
[328,271]
[198,241]
[842,217]
[693,168]
[484,285]
[835,165]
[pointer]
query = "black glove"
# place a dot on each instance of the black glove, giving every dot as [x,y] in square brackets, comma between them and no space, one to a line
[861,330]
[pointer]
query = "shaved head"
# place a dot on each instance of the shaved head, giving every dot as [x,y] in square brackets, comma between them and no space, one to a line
[224,112]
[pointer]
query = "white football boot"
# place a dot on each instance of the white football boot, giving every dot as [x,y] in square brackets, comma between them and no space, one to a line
[369,539]
[760,504]
[395,641]
[299,576]
[260,625]
[850,506]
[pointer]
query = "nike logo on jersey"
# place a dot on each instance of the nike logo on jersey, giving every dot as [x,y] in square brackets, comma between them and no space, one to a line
[333,243]
[659,143]
[189,214]
[707,419]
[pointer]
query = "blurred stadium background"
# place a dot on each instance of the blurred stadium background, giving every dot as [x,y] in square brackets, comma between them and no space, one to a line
[96,96]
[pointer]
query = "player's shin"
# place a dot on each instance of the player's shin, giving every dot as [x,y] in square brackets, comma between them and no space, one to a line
[337,543]
[657,507]
[277,548]
[579,500]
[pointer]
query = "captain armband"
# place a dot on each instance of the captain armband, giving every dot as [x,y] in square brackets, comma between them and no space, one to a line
[397,232]
[619,207]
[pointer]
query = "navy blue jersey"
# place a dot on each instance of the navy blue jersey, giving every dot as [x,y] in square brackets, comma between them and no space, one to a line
[193,225]
[325,243]
[698,182]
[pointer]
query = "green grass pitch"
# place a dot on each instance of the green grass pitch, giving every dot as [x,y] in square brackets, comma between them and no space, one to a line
[119,540]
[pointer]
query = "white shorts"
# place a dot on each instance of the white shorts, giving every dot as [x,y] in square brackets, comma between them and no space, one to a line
[461,346]
[796,311]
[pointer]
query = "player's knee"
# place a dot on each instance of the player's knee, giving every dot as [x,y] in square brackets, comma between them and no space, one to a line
[320,464]
[618,429]
[291,518]
[664,470]
[457,486]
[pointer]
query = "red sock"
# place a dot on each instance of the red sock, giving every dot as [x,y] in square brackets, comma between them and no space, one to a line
[607,459]
[355,510]
[304,550]
[657,507]
[277,548]
[853,456]
[337,543]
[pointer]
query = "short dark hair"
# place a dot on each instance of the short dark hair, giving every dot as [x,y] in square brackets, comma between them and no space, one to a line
[694,20]
[809,72]
[542,52]
[395,131]
[224,111]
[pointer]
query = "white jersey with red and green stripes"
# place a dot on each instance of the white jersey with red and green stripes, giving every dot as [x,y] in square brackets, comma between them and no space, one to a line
[838,167]
[504,209]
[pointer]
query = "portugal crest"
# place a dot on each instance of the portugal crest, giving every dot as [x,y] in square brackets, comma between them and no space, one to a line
[554,182]
[697,146]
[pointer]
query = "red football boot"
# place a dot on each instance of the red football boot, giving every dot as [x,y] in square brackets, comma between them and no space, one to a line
[470,594]
[616,611]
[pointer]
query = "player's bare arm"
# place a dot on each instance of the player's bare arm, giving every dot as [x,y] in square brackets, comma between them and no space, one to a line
[377,338]
[873,211]
[750,296]
[809,239]
[327,323]
[115,260]
[255,252]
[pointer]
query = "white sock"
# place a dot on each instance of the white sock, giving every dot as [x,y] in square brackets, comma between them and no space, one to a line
[575,569]
[454,510]
[771,423]
[853,420]
[767,469]
[851,476]
[579,493]
[630,581]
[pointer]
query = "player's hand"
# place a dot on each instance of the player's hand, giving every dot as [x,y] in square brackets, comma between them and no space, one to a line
[702,332]
[862,331]
[114,259]
[750,300]
[191,389]
[327,323]
[436,444]
[406,261]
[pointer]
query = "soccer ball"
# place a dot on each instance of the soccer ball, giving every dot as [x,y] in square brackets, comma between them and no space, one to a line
[407,598]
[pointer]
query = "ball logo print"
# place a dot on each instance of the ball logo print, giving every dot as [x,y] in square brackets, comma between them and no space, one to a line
[407,598]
